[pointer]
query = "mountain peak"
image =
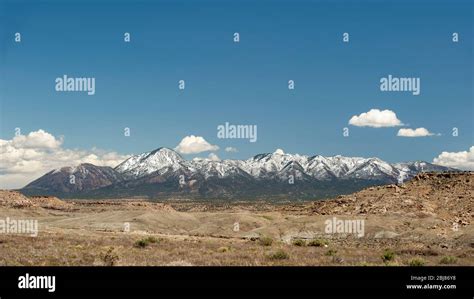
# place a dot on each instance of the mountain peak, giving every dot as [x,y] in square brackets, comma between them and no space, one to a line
[264,174]
[149,162]
[163,149]
[73,169]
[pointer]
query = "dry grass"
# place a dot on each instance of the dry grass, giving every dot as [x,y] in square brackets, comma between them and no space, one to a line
[418,231]
[116,249]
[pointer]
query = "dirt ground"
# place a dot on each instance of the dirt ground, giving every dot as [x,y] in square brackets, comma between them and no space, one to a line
[427,221]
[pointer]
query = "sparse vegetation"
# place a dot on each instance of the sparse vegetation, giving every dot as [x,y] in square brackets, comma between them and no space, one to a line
[110,257]
[391,264]
[416,262]
[142,243]
[280,254]
[318,243]
[448,260]
[266,241]
[299,242]
[337,260]
[189,233]
[364,264]
[223,249]
[388,255]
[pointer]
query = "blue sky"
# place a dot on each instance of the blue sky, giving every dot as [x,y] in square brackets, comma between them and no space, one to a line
[239,83]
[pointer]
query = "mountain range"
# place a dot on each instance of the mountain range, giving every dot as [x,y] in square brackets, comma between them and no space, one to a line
[163,173]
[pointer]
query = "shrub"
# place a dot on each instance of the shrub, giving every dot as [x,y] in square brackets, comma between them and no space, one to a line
[279,255]
[299,242]
[447,260]
[142,243]
[416,262]
[110,258]
[318,243]
[331,252]
[266,241]
[388,255]
[223,249]
[152,240]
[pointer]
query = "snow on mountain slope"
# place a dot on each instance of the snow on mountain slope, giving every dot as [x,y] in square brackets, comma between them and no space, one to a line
[158,171]
[147,163]
[265,165]
[371,168]
[209,168]
[332,167]
[268,165]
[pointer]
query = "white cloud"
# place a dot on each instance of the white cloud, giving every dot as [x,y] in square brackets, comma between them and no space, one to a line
[213,157]
[419,132]
[231,149]
[279,151]
[461,160]
[27,157]
[194,145]
[210,157]
[37,139]
[376,118]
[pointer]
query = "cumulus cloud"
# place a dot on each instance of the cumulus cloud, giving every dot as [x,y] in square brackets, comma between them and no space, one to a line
[419,132]
[376,118]
[461,160]
[279,151]
[213,157]
[231,149]
[27,157]
[210,157]
[194,145]
[37,139]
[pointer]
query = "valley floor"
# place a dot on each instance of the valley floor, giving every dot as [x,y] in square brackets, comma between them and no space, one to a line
[409,231]
[97,235]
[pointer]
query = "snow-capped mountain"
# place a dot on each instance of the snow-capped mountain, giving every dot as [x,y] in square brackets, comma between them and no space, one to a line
[163,172]
[147,163]
[266,165]
[83,177]
[211,168]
